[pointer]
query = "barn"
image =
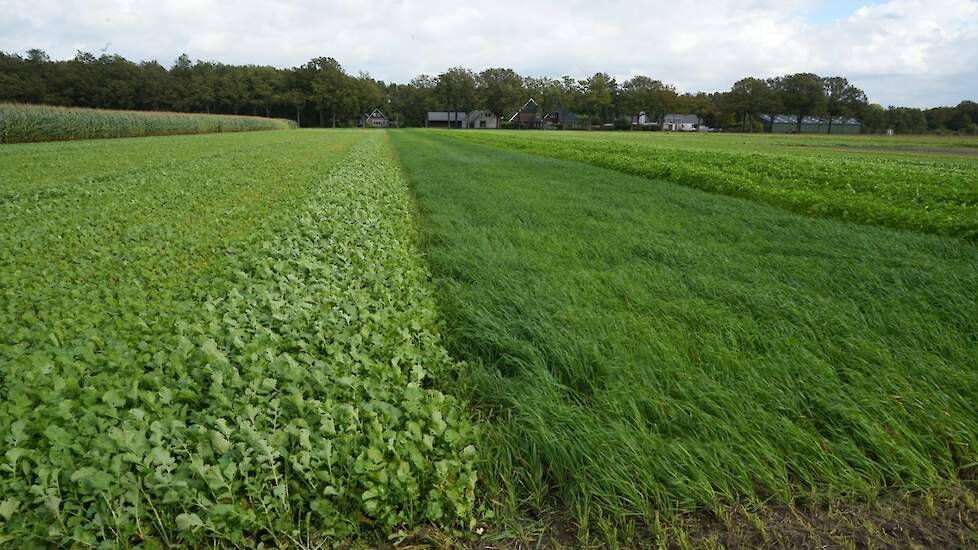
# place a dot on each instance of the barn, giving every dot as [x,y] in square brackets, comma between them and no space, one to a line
[788,124]
[561,118]
[445,119]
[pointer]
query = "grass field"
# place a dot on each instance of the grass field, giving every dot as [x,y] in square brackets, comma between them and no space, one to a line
[637,347]
[337,336]
[925,184]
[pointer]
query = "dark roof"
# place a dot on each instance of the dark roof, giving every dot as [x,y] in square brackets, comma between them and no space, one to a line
[443,116]
[793,119]
[376,113]
[562,115]
[682,118]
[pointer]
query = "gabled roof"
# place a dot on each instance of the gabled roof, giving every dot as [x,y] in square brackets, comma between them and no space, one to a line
[529,107]
[377,113]
[477,114]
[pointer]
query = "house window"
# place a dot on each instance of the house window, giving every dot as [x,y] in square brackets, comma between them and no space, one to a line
[482,124]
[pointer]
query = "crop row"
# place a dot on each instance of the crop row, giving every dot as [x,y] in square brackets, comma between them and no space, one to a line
[21,123]
[933,196]
[283,395]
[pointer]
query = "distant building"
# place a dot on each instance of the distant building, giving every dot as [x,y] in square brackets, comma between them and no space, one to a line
[376,119]
[445,119]
[481,119]
[788,124]
[528,116]
[643,120]
[681,123]
[561,118]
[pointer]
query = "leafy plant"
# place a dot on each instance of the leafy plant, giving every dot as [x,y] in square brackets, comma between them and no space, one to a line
[234,349]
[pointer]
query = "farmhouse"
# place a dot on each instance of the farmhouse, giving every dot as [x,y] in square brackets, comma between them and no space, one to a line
[561,118]
[788,124]
[528,116]
[643,120]
[445,119]
[681,123]
[481,119]
[376,119]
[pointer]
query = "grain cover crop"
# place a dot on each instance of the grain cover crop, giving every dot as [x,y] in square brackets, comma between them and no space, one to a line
[22,123]
[930,194]
[287,400]
[641,347]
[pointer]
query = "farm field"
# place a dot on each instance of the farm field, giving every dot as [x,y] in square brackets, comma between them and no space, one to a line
[637,347]
[921,183]
[24,123]
[303,337]
[219,339]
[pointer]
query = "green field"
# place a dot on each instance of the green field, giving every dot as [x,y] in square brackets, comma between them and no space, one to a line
[219,339]
[644,346]
[926,184]
[23,123]
[304,337]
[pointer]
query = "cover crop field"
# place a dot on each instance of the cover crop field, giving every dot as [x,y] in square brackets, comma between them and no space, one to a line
[638,347]
[320,337]
[219,338]
[925,184]
[23,123]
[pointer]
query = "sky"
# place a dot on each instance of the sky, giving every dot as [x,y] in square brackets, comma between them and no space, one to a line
[917,53]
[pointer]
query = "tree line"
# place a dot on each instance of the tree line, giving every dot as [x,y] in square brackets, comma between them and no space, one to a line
[321,93]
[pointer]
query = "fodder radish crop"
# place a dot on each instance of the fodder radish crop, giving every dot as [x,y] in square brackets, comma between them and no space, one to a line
[237,348]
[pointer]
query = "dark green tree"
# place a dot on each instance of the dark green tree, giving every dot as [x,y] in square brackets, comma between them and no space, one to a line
[801,94]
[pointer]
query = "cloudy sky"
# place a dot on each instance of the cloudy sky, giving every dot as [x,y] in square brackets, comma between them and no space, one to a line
[902,52]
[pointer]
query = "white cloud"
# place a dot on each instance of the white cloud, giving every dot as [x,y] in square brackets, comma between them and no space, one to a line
[901,51]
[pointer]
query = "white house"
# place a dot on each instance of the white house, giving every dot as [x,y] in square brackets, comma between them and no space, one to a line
[681,123]
[481,119]
[643,119]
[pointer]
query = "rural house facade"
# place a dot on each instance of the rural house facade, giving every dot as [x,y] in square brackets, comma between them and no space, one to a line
[528,116]
[681,123]
[376,119]
[481,119]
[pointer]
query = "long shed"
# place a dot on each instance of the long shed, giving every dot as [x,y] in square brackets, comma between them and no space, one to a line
[788,124]
[445,119]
